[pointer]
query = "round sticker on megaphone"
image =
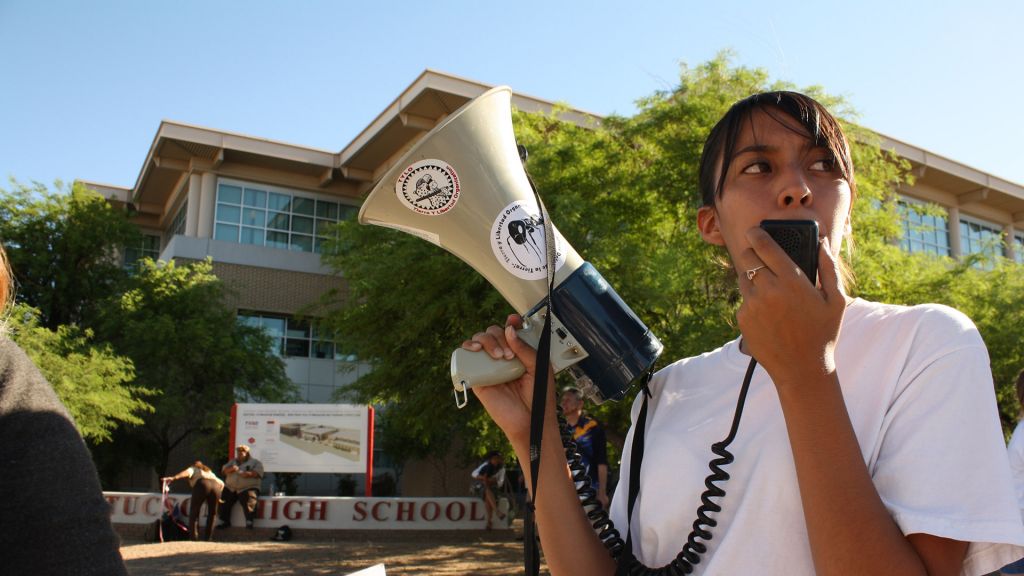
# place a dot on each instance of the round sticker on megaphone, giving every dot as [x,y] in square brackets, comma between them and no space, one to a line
[517,238]
[429,187]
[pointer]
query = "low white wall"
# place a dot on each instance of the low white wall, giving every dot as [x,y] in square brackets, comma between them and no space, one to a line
[321,512]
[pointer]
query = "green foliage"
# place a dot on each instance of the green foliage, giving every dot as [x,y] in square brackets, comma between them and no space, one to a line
[93,383]
[625,195]
[63,246]
[187,344]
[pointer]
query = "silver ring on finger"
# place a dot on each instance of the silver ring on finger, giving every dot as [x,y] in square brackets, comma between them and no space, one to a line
[753,272]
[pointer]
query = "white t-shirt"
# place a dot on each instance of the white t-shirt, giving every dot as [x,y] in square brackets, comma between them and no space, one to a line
[196,474]
[1015,451]
[918,388]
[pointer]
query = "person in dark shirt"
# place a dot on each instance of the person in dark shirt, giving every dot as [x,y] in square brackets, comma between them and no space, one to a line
[487,478]
[55,519]
[590,442]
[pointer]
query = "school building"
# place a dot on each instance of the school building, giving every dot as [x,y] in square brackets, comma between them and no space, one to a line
[257,208]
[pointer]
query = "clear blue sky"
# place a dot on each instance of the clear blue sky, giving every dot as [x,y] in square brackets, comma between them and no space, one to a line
[86,84]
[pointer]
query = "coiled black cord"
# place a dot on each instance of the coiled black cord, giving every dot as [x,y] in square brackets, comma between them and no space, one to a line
[696,541]
[596,514]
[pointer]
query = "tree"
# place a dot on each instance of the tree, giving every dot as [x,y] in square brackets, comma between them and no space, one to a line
[625,195]
[187,344]
[93,383]
[63,246]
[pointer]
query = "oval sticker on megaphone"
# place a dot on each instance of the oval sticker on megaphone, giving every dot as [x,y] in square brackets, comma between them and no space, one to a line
[429,187]
[517,238]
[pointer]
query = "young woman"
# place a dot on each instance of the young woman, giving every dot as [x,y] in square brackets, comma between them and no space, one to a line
[869,442]
[206,489]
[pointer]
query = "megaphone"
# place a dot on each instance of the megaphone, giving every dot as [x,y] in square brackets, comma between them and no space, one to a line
[463,187]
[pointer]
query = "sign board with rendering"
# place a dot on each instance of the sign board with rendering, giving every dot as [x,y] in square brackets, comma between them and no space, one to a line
[321,438]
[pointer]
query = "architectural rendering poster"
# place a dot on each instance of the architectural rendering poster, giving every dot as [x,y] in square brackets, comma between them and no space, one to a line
[329,438]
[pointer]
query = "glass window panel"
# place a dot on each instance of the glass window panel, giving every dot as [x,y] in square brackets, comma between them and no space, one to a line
[255,198]
[273,326]
[231,194]
[303,206]
[228,232]
[249,320]
[302,243]
[319,245]
[252,236]
[150,242]
[347,212]
[302,225]
[325,227]
[327,210]
[294,347]
[298,328]
[323,349]
[281,202]
[278,221]
[227,213]
[277,239]
[254,217]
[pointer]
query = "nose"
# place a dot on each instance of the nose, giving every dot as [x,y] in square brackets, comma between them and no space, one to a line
[794,189]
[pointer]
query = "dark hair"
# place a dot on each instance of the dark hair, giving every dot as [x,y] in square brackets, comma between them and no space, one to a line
[720,145]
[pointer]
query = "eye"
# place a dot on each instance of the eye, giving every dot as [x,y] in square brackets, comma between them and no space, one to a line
[756,168]
[824,165]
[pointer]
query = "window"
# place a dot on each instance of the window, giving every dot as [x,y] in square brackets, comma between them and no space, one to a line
[148,247]
[273,217]
[178,224]
[923,231]
[294,337]
[977,237]
[1018,247]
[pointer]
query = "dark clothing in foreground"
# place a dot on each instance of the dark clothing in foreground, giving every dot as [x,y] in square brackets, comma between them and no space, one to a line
[53,517]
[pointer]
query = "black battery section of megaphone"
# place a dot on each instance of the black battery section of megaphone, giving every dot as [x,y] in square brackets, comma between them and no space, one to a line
[463,187]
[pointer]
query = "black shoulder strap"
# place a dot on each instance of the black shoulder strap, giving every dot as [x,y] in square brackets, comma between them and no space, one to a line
[636,456]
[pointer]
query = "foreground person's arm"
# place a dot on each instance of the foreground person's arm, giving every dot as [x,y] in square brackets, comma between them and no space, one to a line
[569,543]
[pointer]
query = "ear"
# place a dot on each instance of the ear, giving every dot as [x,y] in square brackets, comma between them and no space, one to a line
[707,223]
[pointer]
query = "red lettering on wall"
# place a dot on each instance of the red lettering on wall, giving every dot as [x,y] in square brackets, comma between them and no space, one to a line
[131,505]
[376,509]
[359,514]
[450,515]
[476,508]
[317,510]
[289,514]
[430,511]
[406,511]
[150,507]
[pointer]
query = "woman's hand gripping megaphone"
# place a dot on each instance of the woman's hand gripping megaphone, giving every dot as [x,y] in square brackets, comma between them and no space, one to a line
[490,357]
[509,405]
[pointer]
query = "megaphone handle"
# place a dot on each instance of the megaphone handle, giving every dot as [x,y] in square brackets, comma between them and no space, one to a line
[474,369]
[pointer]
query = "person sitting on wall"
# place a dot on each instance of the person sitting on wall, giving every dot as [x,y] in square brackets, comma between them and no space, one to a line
[487,478]
[243,476]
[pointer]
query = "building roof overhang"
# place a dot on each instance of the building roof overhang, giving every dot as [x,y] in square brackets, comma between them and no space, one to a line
[179,150]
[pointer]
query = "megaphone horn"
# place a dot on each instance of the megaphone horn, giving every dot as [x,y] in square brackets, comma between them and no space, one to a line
[463,187]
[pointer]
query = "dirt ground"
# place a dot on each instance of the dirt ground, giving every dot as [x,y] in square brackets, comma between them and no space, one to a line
[420,553]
